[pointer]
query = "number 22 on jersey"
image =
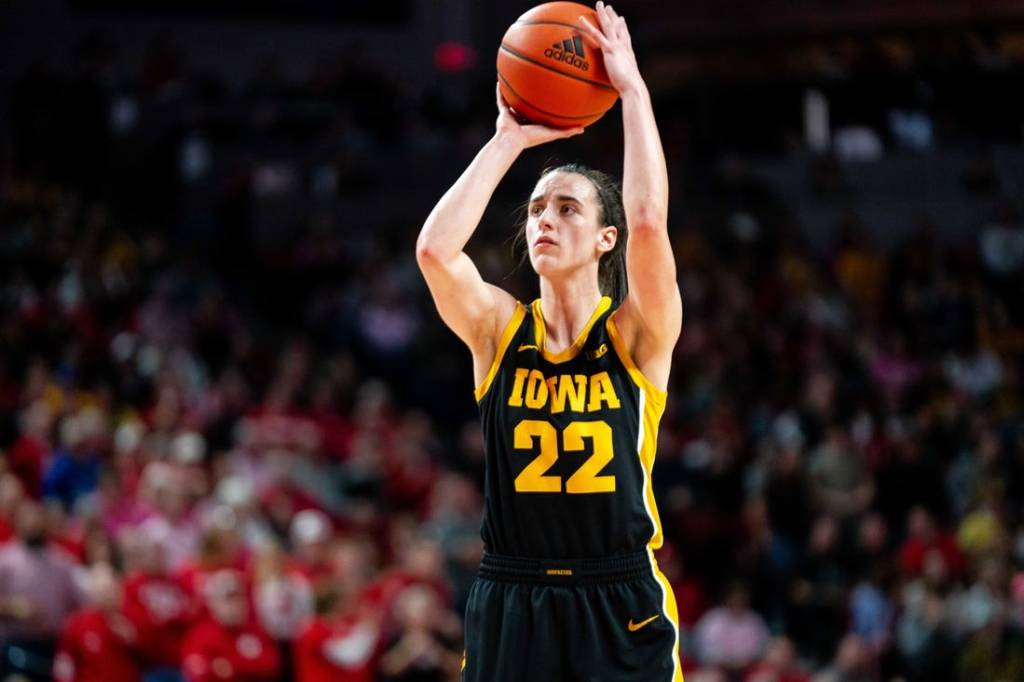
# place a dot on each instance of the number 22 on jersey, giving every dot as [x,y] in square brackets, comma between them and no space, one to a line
[533,478]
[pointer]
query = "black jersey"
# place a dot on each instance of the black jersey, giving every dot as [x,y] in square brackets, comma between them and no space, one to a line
[570,441]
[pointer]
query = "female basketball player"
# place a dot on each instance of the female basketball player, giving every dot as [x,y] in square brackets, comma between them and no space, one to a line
[570,391]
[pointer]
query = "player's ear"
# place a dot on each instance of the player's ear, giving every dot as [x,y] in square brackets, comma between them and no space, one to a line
[607,236]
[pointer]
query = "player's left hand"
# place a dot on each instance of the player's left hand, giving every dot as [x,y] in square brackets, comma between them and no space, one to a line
[612,37]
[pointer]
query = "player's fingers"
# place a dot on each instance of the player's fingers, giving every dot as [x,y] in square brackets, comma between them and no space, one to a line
[502,104]
[621,30]
[597,38]
[610,16]
[561,134]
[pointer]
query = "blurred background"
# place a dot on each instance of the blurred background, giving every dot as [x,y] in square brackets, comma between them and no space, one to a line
[236,441]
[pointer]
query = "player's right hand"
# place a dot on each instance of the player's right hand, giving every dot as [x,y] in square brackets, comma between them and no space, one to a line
[523,133]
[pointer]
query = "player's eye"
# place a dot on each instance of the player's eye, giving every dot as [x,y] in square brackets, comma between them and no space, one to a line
[568,209]
[536,209]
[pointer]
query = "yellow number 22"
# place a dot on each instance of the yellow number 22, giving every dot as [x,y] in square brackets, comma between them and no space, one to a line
[532,479]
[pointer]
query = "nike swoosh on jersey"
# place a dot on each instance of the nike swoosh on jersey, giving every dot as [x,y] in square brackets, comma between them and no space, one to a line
[633,627]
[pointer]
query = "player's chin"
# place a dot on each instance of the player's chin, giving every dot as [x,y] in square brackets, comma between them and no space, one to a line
[544,261]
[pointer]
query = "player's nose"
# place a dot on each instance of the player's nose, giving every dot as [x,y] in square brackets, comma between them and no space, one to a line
[545,221]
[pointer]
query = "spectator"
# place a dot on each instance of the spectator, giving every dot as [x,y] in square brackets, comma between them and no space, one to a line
[871,615]
[32,448]
[228,644]
[852,663]
[731,636]
[158,605]
[96,643]
[341,643]
[923,537]
[995,652]
[310,533]
[37,594]
[927,642]
[817,597]
[427,644]
[840,484]
[219,548]
[778,665]
[75,470]
[12,495]
[163,487]
[283,600]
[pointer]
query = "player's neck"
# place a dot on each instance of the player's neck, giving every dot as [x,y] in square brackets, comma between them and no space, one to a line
[567,306]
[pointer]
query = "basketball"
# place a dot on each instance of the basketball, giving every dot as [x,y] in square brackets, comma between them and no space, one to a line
[548,73]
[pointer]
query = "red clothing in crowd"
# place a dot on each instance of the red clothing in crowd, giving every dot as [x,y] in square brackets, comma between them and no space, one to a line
[194,576]
[914,551]
[25,460]
[161,609]
[337,651]
[213,652]
[381,593]
[96,647]
[763,672]
[690,598]
[315,574]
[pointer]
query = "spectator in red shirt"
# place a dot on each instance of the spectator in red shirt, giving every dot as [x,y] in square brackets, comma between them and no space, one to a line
[341,644]
[229,644]
[778,665]
[924,537]
[220,548]
[310,534]
[158,605]
[283,600]
[32,448]
[419,561]
[96,642]
[411,467]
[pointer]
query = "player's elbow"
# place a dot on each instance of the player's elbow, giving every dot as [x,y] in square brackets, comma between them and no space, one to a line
[647,219]
[428,253]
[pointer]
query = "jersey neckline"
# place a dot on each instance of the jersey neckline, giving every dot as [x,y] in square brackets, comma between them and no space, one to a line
[568,353]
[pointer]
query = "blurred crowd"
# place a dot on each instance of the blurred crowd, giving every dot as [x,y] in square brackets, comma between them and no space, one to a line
[237,444]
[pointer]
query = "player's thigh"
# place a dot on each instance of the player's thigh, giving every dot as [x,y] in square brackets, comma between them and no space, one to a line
[622,632]
[511,634]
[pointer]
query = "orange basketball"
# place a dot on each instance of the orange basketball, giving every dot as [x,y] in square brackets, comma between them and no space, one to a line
[548,73]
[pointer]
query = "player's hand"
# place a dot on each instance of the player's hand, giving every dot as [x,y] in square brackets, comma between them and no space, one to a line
[612,38]
[526,134]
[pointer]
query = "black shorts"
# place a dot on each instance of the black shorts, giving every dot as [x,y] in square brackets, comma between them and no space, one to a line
[606,620]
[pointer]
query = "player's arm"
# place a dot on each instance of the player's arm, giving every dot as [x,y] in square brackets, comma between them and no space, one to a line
[653,308]
[472,308]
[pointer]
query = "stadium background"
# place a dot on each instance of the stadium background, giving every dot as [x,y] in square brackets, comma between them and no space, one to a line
[221,374]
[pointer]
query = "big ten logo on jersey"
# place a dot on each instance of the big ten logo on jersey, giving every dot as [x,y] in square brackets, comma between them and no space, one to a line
[577,392]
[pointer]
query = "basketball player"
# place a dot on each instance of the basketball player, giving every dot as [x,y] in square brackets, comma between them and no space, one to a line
[570,390]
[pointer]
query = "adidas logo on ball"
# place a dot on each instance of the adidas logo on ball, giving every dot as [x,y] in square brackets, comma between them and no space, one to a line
[570,52]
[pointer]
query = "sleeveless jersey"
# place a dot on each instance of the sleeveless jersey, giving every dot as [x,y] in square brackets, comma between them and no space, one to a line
[570,441]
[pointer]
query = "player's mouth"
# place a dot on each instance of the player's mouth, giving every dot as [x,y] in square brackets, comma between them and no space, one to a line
[544,241]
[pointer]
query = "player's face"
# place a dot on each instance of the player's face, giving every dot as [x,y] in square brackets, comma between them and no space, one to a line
[563,228]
